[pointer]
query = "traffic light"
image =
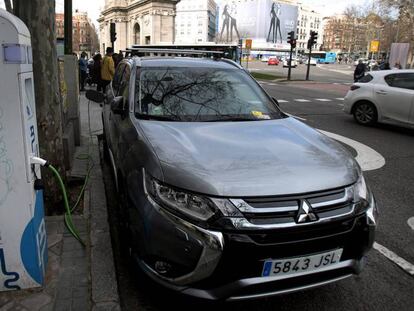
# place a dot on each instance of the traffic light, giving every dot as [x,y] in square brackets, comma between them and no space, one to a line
[293,43]
[313,38]
[113,33]
[291,36]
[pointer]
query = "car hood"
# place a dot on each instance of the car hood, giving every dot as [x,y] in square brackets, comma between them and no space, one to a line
[241,159]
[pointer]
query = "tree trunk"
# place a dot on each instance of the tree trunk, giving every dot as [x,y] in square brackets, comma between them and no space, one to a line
[39,16]
[8,6]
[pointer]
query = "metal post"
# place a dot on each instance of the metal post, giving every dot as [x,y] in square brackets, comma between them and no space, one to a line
[309,58]
[290,61]
[68,27]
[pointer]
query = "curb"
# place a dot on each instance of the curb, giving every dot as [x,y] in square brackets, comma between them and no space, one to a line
[104,286]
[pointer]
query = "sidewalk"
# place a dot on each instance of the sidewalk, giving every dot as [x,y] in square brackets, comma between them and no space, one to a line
[77,278]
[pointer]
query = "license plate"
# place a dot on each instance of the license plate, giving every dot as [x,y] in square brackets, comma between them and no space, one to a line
[301,264]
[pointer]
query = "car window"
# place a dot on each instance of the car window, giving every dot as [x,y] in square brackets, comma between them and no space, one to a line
[401,80]
[365,79]
[117,78]
[202,94]
[123,89]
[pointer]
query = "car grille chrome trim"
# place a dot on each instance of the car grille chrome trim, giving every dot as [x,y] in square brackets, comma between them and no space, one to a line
[283,214]
[245,207]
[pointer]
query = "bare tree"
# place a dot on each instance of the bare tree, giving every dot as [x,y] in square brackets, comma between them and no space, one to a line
[39,16]
[405,22]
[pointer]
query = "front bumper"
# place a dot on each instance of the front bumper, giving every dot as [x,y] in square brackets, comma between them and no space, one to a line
[228,265]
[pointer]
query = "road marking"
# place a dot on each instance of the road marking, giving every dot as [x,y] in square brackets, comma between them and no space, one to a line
[323,99]
[340,98]
[282,101]
[410,222]
[366,157]
[401,262]
[302,100]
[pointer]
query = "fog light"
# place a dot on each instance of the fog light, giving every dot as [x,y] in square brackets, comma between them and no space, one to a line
[162,267]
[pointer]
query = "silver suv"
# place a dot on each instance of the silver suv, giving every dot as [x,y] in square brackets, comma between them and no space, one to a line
[224,195]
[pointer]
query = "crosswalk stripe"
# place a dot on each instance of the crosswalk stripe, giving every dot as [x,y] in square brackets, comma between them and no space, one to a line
[282,101]
[323,99]
[301,100]
[339,98]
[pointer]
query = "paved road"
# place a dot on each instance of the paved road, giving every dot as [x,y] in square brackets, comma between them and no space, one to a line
[321,73]
[383,285]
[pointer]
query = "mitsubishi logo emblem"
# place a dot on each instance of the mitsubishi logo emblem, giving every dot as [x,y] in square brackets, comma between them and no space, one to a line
[305,213]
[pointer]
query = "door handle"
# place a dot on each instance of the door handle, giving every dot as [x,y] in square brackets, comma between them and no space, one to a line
[381,92]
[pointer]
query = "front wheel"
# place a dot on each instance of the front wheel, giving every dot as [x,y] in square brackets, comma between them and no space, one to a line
[365,113]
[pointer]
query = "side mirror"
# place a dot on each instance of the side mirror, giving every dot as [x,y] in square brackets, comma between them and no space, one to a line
[117,106]
[95,96]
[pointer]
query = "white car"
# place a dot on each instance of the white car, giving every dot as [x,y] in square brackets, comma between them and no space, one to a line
[265,59]
[312,62]
[286,62]
[382,96]
[364,61]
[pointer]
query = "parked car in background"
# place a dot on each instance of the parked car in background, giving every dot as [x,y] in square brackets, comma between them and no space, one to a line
[382,96]
[264,59]
[312,61]
[286,63]
[273,61]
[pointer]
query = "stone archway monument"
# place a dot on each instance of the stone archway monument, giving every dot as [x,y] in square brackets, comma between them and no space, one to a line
[137,22]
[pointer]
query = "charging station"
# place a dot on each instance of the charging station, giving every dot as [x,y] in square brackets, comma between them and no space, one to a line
[23,242]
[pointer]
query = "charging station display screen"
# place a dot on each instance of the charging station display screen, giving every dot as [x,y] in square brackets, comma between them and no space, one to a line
[14,54]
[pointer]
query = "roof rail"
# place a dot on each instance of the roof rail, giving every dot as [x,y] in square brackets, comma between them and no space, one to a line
[169,52]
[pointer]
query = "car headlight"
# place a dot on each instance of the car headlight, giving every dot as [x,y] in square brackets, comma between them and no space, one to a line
[365,201]
[196,207]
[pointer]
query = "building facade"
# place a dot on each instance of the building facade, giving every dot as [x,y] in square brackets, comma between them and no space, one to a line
[345,35]
[137,22]
[84,36]
[195,21]
[308,20]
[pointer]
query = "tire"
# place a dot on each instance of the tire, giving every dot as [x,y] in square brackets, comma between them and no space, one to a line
[365,113]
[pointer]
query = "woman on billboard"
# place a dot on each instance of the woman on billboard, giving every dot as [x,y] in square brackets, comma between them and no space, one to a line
[275,23]
[228,21]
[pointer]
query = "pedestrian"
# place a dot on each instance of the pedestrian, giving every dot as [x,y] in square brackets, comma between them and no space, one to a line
[359,71]
[96,71]
[107,68]
[83,70]
[115,59]
[397,66]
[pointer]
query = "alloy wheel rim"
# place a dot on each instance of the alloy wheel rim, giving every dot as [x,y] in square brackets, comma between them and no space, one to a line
[364,113]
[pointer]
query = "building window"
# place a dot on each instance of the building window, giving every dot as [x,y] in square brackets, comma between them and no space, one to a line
[137,34]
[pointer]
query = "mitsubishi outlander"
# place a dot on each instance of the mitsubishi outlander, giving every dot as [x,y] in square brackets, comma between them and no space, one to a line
[225,196]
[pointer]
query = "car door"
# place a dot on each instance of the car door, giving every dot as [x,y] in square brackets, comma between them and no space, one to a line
[111,93]
[395,96]
[118,120]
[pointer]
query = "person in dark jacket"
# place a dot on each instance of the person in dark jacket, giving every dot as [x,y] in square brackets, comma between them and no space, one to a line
[83,70]
[96,71]
[359,71]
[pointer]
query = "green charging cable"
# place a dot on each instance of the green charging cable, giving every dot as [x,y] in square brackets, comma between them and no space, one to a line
[68,214]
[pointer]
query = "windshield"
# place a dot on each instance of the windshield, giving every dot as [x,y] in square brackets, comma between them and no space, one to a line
[201,94]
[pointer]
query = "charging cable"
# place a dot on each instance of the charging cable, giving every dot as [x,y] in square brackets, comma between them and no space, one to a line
[68,213]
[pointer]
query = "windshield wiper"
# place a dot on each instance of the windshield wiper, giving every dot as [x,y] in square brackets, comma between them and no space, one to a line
[232,118]
[155,117]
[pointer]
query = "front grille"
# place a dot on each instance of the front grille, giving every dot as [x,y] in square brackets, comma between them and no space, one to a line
[282,210]
[245,253]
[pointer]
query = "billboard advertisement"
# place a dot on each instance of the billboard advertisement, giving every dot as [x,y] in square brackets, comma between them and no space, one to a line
[267,22]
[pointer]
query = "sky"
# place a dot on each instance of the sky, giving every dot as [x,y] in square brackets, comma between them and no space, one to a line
[93,7]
